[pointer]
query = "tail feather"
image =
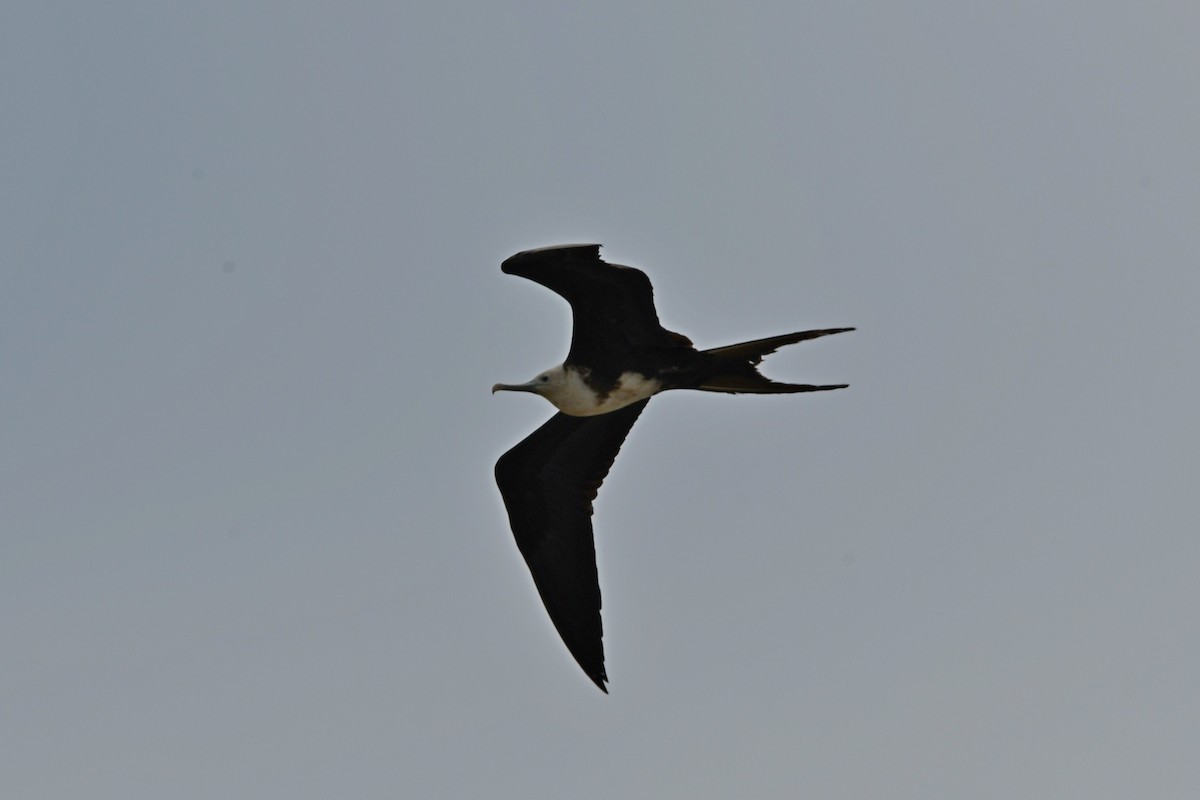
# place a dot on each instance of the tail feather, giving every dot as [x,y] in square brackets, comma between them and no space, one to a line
[735,368]
[755,350]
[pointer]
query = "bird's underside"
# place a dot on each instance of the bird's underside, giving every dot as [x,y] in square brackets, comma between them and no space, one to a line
[549,480]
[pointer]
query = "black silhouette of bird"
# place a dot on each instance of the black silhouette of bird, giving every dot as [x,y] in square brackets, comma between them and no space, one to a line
[620,356]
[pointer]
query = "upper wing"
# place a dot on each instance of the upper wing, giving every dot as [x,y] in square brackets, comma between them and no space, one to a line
[612,305]
[548,482]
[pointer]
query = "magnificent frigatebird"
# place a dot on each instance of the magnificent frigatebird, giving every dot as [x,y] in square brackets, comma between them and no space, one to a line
[620,356]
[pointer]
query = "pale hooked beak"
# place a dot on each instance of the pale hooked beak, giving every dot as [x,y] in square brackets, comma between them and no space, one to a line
[532,386]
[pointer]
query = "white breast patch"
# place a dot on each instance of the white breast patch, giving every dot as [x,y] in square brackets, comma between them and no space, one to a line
[579,400]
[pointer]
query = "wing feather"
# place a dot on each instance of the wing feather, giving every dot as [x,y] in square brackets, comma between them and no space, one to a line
[548,482]
[612,305]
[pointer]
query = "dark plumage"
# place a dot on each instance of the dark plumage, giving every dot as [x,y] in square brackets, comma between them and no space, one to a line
[548,482]
[619,357]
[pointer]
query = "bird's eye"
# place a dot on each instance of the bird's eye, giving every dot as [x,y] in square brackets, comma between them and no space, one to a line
[545,378]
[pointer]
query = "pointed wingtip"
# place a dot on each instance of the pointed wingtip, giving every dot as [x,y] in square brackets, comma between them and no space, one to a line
[599,677]
[554,252]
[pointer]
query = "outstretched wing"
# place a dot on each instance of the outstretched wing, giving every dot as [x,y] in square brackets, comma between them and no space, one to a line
[548,483]
[612,305]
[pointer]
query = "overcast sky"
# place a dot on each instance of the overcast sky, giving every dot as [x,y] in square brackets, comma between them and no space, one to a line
[251,308]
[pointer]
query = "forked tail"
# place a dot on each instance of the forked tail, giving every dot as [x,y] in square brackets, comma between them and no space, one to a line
[734,368]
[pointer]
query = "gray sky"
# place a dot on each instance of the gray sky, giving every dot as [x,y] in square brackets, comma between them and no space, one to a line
[251,307]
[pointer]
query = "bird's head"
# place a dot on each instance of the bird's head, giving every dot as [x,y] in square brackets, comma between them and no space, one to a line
[550,384]
[564,387]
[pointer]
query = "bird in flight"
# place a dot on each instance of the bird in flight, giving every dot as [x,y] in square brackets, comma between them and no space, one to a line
[620,357]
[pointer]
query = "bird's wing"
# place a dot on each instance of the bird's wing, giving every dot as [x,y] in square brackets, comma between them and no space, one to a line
[548,482]
[612,305]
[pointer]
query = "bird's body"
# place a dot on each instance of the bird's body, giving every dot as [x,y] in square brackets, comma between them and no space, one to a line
[620,356]
[572,392]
